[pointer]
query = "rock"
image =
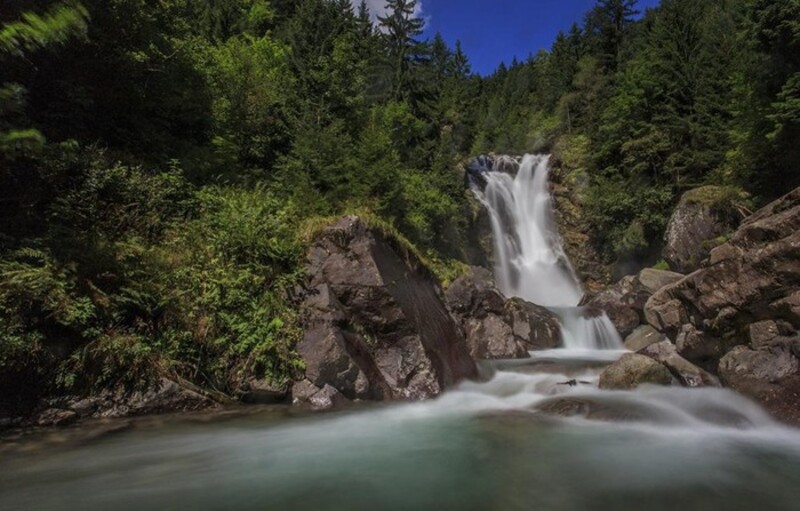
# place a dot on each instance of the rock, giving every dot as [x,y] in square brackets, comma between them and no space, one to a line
[753,277]
[493,339]
[265,392]
[692,344]
[762,332]
[643,337]
[535,326]
[633,370]
[326,398]
[497,328]
[474,294]
[687,373]
[770,374]
[702,216]
[653,280]
[56,417]
[375,326]
[738,300]
[165,397]
[85,407]
[625,301]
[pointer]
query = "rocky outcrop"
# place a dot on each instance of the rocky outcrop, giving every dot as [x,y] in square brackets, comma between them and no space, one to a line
[165,396]
[633,370]
[375,326]
[497,328]
[728,315]
[624,301]
[700,221]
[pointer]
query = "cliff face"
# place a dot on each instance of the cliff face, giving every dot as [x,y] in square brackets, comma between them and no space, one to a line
[568,187]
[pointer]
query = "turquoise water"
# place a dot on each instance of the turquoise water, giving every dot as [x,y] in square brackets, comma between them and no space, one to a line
[479,447]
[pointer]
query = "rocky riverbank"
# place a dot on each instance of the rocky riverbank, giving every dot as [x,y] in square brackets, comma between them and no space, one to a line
[734,319]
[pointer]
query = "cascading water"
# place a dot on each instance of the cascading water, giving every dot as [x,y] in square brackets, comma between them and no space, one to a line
[539,434]
[530,262]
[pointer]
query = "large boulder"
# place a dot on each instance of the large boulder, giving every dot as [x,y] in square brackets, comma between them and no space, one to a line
[746,294]
[497,328]
[633,370]
[703,216]
[375,326]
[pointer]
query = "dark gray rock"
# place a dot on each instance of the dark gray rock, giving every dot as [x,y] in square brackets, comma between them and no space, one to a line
[702,217]
[497,328]
[56,417]
[375,326]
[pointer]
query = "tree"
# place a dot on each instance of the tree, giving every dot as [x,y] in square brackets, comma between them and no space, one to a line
[609,23]
[401,28]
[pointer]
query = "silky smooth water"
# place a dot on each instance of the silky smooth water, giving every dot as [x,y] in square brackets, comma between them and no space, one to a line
[482,446]
[530,262]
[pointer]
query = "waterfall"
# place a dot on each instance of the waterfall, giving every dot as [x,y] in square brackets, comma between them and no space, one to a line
[530,261]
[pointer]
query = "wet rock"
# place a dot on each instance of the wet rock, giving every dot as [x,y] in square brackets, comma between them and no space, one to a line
[700,219]
[474,294]
[375,326]
[265,392]
[56,417]
[594,409]
[497,328]
[625,301]
[165,397]
[643,337]
[327,397]
[687,373]
[536,327]
[633,370]
[491,338]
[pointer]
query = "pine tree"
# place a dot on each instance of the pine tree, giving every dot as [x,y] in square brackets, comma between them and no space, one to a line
[610,22]
[402,27]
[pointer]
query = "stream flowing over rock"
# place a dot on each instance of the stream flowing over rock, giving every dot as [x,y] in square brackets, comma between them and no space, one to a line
[375,326]
[738,314]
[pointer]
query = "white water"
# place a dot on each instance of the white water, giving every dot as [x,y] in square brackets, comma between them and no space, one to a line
[530,262]
[480,446]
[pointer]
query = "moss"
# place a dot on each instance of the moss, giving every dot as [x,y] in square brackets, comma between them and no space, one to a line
[444,270]
[662,265]
[718,198]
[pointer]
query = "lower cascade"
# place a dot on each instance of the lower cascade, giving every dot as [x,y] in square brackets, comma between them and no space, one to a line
[530,262]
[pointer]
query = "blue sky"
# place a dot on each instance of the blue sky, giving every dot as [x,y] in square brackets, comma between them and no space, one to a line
[492,31]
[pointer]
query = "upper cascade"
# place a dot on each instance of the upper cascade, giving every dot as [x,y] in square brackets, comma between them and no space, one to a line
[530,261]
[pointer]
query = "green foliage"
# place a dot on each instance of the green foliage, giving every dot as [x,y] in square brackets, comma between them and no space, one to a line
[61,23]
